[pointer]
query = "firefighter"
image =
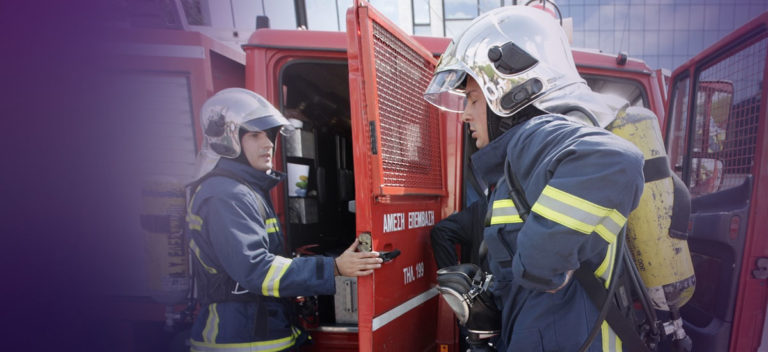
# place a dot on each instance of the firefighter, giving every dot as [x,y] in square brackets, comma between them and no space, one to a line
[539,132]
[245,280]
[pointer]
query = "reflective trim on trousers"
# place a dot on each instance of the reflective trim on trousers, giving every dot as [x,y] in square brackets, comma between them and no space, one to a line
[212,324]
[261,346]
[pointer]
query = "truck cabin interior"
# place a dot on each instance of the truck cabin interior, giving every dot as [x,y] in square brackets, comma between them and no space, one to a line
[320,192]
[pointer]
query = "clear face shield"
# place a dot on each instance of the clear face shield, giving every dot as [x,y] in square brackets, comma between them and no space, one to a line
[446,92]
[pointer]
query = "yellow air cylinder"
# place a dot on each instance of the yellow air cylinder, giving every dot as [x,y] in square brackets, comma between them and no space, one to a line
[661,255]
[162,219]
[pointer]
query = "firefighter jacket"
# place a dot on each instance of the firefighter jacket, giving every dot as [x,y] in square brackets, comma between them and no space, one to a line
[464,228]
[244,277]
[581,183]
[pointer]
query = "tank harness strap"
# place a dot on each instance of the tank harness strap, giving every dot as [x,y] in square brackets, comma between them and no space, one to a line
[597,293]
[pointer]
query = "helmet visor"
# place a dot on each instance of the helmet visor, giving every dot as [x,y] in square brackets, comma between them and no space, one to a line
[446,92]
[267,122]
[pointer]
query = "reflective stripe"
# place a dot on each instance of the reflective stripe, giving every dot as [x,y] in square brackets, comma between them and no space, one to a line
[195,222]
[504,212]
[271,284]
[579,214]
[605,270]
[196,250]
[610,341]
[403,308]
[261,346]
[272,225]
[211,325]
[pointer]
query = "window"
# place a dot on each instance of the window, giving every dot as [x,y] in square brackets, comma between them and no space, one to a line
[724,134]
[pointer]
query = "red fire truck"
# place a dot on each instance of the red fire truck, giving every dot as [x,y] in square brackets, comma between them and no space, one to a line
[381,163]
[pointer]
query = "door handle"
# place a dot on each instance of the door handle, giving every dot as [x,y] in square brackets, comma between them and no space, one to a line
[761,268]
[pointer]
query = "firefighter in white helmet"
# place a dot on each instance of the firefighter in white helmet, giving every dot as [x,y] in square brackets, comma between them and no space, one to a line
[538,128]
[245,279]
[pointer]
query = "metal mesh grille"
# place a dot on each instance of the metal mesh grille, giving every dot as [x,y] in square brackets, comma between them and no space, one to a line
[409,134]
[728,100]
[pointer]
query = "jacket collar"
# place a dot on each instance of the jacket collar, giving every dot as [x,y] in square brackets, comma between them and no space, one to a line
[488,162]
[258,179]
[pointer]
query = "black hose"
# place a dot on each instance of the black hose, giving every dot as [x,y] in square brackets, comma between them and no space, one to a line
[611,290]
[634,275]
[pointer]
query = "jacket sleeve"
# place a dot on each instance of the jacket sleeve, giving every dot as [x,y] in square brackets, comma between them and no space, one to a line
[594,184]
[240,241]
[463,228]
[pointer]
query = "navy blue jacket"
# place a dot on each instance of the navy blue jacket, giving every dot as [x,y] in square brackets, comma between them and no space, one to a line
[581,182]
[234,245]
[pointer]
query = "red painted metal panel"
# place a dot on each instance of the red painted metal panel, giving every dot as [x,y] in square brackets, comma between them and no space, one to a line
[399,189]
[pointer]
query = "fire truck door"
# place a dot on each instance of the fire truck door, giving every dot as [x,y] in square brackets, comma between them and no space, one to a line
[716,139]
[400,180]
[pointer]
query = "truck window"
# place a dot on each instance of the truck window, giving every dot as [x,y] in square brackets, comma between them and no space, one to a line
[725,127]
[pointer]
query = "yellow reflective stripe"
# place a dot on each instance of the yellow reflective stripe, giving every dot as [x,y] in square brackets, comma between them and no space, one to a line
[211,325]
[196,250]
[605,270]
[504,212]
[579,214]
[605,336]
[503,203]
[261,346]
[271,284]
[271,224]
[195,222]
[505,219]
[610,341]
[215,324]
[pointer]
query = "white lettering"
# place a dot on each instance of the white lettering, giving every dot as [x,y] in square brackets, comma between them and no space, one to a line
[394,222]
[408,275]
[419,270]
[418,219]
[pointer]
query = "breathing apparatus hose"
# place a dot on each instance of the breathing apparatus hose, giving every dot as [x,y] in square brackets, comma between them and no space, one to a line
[639,287]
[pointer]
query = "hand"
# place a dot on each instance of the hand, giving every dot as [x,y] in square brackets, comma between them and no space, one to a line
[352,263]
[568,275]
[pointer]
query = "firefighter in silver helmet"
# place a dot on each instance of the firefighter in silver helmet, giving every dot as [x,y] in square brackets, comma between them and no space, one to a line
[245,280]
[538,128]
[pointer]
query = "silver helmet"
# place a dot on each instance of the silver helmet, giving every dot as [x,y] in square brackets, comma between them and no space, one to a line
[516,54]
[222,117]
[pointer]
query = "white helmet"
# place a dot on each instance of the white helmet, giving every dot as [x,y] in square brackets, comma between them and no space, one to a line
[222,117]
[516,54]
